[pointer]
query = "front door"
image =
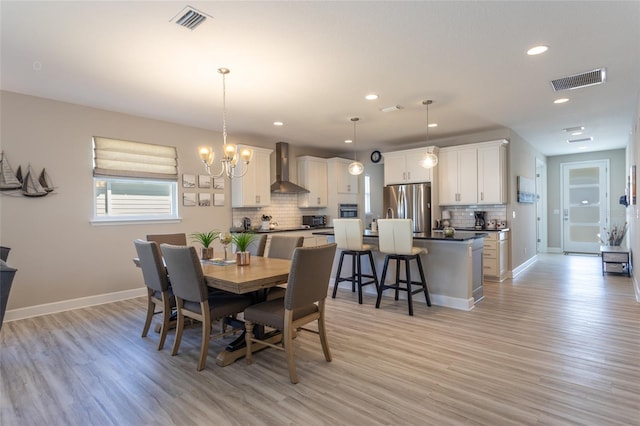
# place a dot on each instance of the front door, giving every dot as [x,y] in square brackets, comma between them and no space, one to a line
[585,189]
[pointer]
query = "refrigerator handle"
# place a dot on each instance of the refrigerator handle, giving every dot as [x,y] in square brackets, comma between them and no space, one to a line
[402,208]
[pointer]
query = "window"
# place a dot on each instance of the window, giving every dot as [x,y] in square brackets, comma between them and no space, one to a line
[367,194]
[134,181]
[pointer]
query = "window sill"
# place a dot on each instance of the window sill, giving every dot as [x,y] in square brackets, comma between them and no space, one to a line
[132,221]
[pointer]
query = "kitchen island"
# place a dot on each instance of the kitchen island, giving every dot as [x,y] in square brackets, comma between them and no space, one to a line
[453,266]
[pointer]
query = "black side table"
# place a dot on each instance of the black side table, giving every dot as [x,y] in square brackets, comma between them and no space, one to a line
[615,259]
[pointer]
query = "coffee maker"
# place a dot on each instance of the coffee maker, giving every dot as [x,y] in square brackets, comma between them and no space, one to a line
[479,215]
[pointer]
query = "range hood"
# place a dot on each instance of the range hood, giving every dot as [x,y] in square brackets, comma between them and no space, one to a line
[282,184]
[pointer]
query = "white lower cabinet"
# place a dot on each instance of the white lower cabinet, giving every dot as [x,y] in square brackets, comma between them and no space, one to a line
[496,256]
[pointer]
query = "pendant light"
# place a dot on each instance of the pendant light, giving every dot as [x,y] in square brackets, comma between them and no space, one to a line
[229,163]
[355,168]
[430,159]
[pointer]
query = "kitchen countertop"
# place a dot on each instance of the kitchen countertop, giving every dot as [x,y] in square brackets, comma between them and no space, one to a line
[283,229]
[476,230]
[435,235]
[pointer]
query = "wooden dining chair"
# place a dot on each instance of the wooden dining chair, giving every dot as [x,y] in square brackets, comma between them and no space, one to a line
[193,299]
[173,239]
[303,303]
[158,288]
[282,247]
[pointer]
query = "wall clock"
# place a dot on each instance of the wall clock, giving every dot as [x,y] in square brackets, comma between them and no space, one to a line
[376,156]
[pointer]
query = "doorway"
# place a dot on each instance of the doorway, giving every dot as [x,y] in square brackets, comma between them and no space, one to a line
[585,201]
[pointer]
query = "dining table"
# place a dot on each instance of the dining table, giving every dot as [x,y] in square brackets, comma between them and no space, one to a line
[256,278]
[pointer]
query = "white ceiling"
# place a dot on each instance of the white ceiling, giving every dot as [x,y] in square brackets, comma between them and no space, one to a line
[309,64]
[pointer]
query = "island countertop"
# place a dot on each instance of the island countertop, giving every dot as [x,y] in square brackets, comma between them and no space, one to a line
[433,235]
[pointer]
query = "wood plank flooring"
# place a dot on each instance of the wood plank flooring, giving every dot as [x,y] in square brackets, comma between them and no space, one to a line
[559,345]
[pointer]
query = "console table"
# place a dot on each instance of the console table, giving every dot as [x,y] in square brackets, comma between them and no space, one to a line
[615,259]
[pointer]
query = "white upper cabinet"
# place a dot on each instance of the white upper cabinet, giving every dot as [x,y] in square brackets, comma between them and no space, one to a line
[404,167]
[312,175]
[345,183]
[254,188]
[473,174]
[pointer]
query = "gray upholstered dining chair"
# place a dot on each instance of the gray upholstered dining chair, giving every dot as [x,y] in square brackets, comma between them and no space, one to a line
[194,301]
[4,253]
[158,288]
[282,247]
[257,247]
[303,303]
[173,239]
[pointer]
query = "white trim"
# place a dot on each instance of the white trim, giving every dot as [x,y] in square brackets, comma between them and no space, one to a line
[518,270]
[557,250]
[636,287]
[67,305]
[130,221]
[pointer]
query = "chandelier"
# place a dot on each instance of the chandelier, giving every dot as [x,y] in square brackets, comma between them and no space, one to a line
[230,156]
[356,167]
[429,160]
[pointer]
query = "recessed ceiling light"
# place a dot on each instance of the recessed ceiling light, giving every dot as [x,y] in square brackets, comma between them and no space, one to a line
[371,97]
[589,139]
[561,100]
[536,50]
[432,125]
[348,141]
[576,133]
[278,123]
[391,108]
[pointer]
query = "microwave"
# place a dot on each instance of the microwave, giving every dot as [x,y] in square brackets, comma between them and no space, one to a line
[314,221]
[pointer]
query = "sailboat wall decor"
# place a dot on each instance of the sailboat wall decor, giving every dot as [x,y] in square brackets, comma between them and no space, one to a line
[8,180]
[31,185]
[45,181]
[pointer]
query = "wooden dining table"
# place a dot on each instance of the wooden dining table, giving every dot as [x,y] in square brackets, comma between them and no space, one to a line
[261,274]
[257,277]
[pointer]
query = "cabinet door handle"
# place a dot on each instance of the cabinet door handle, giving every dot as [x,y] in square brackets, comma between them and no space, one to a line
[404,175]
[258,199]
[481,196]
[408,175]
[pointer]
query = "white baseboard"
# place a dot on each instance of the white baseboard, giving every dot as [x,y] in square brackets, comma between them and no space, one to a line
[518,270]
[636,287]
[554,250]
[436,299]
[67,305]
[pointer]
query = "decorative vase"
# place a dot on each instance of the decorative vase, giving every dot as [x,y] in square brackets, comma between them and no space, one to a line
[243,258]
[206,253]
[265,225]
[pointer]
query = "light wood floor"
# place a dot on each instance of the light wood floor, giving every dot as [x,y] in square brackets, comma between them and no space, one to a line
[558,345]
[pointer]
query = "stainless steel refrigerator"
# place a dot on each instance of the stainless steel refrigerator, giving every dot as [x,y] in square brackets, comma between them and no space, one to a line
[411,201]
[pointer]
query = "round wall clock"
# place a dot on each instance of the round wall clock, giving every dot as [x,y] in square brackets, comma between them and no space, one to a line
[376,156]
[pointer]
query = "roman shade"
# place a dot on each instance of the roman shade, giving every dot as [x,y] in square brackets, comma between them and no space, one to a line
[118,158]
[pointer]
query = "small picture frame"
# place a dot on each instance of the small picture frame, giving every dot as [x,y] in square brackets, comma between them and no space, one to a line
[204,199]
[204,181]
[218,200]
[189,199]
[218,183]
[188,180]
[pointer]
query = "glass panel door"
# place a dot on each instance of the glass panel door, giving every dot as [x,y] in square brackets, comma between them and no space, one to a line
[585,201]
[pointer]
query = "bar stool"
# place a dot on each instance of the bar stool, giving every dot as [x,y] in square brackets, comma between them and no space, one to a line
[396,241]
[348,235]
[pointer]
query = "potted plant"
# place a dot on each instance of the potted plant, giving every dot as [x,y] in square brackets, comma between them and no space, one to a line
[242,241]
[265,222]
[205,239]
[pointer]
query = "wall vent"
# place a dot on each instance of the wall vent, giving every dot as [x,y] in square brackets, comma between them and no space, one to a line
[589,139]
[589,78]
[189,18]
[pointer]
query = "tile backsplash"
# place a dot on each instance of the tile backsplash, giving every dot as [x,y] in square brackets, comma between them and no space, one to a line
[283,210]
[462,216]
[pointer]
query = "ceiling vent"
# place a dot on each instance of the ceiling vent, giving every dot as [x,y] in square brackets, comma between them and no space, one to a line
[589,78]
[189,18]
[589,139]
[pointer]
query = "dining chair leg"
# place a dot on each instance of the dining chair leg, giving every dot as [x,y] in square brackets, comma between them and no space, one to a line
[151,306]
[287,340]
[166,314]
[322,331]
[206,334]
[179,326]
[248,327]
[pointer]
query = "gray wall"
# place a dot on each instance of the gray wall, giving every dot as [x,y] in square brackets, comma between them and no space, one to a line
[617,183]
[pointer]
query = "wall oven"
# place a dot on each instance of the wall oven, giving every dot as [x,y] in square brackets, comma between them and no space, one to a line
[348,210]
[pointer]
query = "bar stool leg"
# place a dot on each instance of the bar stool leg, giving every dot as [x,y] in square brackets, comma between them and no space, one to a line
[353,272]
[382,280]
[338,271]
[373,270]
[407,264]
[424,281]
[359,277]
[397,277]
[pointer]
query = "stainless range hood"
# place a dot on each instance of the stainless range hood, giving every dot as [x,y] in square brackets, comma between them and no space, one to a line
[282,184]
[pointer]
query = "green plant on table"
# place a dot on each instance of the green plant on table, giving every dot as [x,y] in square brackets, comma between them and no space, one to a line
[243,240]
[205,238]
